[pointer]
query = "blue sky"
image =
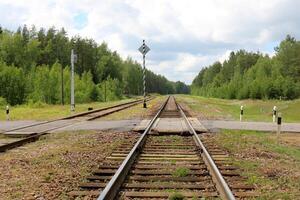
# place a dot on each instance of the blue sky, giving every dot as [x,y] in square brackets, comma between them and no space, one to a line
[80,20]
[184,36]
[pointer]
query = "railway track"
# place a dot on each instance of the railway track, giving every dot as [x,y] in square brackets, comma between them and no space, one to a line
[170,166]
[37,130]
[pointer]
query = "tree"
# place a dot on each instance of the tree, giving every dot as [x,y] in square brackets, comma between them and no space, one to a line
[253,75]
[36,62]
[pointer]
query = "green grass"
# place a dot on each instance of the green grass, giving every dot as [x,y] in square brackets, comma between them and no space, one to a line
[176,196]
[259,141]
[181,172]
[254,110]
[48,112]
[272,166]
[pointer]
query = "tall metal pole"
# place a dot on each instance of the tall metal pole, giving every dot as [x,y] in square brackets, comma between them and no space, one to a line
[144,49]
[105,90]
[72,81]
[144,75]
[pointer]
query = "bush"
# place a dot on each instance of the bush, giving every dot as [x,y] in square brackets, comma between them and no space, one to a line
[3,103]
[12,84]
[112,88]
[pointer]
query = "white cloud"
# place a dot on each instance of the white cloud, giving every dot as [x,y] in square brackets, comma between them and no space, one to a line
[183,35]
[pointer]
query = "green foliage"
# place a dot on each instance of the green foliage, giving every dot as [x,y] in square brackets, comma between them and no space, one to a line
[12,86]
[31,65]
[111,89]
[181,88]
[253,75]
[3,103]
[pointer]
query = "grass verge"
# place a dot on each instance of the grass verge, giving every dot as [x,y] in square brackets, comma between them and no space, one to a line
[48,112]
[254,110]
[274,167]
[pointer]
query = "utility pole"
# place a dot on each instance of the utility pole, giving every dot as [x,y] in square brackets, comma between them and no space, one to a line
[105,90]
[58,59]
[73,60]
[62,85]
[144,49]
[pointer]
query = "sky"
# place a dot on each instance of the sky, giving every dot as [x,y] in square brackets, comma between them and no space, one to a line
[183,35]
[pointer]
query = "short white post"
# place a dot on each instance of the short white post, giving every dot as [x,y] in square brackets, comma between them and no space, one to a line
[7,113]
[241,114]
[278,126]
[274,113]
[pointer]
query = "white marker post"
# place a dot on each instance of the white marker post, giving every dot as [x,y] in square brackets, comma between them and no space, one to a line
[241,114]
[73,60]
[278,125]
[274,113]
[7,113]
[144,49]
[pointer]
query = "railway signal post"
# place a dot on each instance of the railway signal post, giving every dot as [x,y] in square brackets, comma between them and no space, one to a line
[144,49]
[73,60]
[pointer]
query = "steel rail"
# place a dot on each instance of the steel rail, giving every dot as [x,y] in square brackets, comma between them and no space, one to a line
[135,102]
[77,115]
[29,139]
[221,185]
[121,107]
[36,136]
[113,186]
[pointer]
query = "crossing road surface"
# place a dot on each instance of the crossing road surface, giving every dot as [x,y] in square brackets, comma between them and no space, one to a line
[124,125]
[121,125]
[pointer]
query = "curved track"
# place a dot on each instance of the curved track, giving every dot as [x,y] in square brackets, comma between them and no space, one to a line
[39,129]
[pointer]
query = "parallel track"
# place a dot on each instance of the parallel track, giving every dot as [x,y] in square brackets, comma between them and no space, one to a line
[157,167]
[46,127]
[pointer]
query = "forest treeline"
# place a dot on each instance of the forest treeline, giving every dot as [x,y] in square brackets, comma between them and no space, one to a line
[34,63]
[253,75]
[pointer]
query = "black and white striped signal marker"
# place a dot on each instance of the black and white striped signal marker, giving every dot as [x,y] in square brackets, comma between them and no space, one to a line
[144,49]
